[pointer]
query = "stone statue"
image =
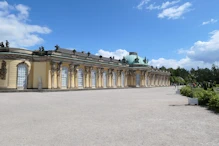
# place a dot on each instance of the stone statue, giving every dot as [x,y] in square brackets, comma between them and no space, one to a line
[7,44]
[57,47]
[41,49]
[2,44]
[74,51]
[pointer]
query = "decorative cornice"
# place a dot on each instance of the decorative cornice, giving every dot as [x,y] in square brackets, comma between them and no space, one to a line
[3,70]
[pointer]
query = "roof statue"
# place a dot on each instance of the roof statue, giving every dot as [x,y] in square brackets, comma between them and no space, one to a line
[7,44]
[57,47]
[41,49]
[2,45]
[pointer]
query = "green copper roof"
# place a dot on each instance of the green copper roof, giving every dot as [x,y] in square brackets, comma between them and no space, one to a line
[134,59]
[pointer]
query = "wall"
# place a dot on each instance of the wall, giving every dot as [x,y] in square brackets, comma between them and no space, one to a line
[4,83]
[11,76]
[40,70]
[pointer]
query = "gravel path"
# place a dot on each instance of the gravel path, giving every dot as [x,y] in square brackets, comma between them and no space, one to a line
[121,117]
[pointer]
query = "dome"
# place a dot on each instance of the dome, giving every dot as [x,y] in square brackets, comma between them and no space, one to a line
[134,59]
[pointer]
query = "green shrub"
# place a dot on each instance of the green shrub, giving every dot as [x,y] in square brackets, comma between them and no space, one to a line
[198,94]
[206,96]
[214,103]
[186,91]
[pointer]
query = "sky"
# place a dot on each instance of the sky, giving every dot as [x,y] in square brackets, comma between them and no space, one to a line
[174,33]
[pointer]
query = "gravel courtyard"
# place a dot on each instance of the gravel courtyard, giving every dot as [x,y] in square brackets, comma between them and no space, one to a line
[120,117]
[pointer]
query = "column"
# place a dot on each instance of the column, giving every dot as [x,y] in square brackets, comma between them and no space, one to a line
[118,80]
[59,71]
[76,76]
[86,76]
[153,80]
[109,78]
[159,80]
[142,78]
[126,78]
[134,77]
[101,76]
[162,80]
[90,77]
[149,79]
[53,70]
[165,81]
[112,84]
[71,70]
[146,79]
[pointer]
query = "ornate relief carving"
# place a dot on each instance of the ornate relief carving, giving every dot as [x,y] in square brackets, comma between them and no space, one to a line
[102,71]
[59,66]
[76,69]
[109,71]
[53,68]
[120,72]
[3,70]
[143,73]
[87,70]
[71,69]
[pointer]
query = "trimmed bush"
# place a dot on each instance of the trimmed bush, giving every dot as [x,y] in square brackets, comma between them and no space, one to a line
[202,95]
[205,97]
[186,91]
[214,103]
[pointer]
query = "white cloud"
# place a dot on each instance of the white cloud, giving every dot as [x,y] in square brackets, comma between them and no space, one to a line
[14,26]
[173,63]
[202,54]
[211,21]
[167,4]
[118,54]
[163,6]
[168,9]
[142,3]
[153,7]
[186,63]
[207,51]
[175,12]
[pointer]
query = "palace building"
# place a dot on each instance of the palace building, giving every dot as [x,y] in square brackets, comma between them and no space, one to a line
[68,69]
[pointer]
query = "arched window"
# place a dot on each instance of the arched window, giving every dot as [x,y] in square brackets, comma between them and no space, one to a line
[22,73]
[122,79]
[93,78]
[137,80]
[104,79]
[64,77]
[114,79]
[80,78]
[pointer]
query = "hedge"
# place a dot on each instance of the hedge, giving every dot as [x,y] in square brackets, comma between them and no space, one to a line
[206,98]
[214,104]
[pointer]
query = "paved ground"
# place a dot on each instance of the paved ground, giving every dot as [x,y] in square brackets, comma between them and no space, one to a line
[135,117]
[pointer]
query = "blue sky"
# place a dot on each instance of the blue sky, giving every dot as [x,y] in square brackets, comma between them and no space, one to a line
[172,33]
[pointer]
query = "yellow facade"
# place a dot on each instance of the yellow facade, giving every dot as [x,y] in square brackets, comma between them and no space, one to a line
[38,71]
